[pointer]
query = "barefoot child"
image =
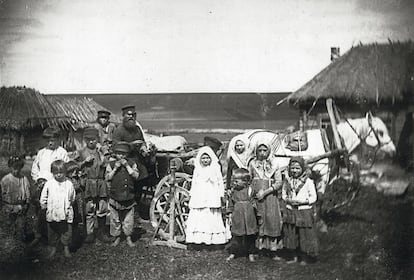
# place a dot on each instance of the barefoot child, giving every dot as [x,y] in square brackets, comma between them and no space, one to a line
[57,197]
[73,174]
[122,173]
[92,163]
[243,214]
[267,182]
[205,223]
[15,196]
[299,193]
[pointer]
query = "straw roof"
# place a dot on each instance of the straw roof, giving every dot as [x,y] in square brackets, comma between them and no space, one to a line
[80,110]
[25,108]
[22,108]
[366,74]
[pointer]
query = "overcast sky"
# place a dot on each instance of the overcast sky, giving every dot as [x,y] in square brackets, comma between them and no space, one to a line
[143,46]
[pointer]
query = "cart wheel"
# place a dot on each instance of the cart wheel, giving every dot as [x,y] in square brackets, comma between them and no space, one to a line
[182,179]
[160,213]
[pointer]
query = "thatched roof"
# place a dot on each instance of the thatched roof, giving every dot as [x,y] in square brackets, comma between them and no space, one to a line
[22,108]
[366,74]
[80,110]
[25,108]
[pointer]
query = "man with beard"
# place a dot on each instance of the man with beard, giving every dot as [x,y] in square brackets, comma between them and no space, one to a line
[131,131]
[106,130]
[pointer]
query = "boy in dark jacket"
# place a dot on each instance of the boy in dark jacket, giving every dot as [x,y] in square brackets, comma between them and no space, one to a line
[122,173]
[242,208]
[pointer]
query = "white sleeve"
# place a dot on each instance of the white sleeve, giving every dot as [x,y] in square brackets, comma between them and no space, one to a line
[35,167]
[45,193]
[311,191]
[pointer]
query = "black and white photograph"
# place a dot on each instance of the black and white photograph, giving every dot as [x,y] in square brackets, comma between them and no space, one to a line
[207,139]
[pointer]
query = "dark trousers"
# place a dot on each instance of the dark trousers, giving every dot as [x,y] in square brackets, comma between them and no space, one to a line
[244,244]
[59,230]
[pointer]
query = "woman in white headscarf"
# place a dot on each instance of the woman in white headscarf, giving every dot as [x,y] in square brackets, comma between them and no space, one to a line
[238,155]
[205,223]
[267,182]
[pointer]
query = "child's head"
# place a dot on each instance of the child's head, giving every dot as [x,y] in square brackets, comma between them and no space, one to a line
[205,160]
[72,169]
[15,163]
[51,135]
[296,167]
[91,135]
[262,151]
[121,150]
[240,178]
[58,170]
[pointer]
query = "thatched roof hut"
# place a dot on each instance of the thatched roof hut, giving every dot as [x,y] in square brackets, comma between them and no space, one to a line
[25,112]
[376,77]
[367,75]
[26,108]
[80,110]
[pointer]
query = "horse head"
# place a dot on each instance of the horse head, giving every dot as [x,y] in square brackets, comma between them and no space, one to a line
[370,131]
[378,135]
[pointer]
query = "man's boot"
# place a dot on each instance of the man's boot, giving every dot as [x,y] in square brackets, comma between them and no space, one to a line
[102,236]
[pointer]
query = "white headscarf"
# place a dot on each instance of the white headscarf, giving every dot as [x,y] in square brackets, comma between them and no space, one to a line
[207,186]
[266,166]
[242,159]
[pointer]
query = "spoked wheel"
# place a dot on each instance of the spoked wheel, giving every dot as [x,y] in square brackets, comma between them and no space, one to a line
[160,212]
[183,180]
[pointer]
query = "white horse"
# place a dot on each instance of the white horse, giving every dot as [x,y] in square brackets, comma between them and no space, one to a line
[369,130]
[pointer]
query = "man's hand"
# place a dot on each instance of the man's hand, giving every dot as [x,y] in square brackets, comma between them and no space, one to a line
[118,164]
[124,162]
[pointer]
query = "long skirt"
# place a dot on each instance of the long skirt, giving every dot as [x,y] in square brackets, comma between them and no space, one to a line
[269,219]
[205,225]
[299,231]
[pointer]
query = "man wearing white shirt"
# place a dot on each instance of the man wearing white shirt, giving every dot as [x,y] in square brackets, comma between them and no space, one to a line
[41,171]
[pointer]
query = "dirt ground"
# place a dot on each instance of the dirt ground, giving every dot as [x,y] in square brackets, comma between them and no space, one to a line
[372,238]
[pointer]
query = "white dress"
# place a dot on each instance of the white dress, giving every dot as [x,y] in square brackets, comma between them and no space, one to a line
[205,222]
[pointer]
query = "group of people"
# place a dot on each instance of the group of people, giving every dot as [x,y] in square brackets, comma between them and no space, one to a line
[93,186]
[268,209]
[265,208]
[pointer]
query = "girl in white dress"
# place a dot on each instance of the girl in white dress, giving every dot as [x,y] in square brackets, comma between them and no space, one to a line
[205,223]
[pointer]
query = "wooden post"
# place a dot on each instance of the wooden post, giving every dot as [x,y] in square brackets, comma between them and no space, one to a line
[172,206]
[329,107]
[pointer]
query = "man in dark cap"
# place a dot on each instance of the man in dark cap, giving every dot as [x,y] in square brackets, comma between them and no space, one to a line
[93,164]
[131,131]
[41,172]
[106,130]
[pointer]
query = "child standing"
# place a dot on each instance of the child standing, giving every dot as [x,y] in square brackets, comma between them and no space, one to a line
[93,164]
[122,173]
[15,196]
[57,197]
[205,223]
[267,181]
[73,174]
[243,214]
[299,193]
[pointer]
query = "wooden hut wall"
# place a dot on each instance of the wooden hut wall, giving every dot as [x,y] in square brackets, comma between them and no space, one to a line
[9,142]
